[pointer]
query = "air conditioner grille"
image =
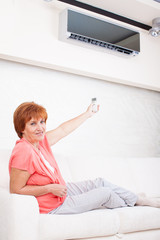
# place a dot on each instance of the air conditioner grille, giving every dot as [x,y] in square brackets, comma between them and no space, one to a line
[100,43]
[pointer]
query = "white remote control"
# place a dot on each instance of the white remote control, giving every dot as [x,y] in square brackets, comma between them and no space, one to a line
[94,106]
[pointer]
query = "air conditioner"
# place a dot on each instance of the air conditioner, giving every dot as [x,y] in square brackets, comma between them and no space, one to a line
[79,27]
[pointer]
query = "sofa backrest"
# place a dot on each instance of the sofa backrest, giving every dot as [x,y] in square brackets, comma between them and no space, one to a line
[136,174]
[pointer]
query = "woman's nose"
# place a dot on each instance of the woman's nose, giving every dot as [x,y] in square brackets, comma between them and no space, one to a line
[39,126]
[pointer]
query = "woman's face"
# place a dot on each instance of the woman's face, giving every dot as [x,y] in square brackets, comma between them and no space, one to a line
[35,130]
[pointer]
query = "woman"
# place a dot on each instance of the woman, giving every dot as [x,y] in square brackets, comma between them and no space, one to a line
[34,171]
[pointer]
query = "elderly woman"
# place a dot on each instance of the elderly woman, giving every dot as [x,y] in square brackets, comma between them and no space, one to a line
[34,171]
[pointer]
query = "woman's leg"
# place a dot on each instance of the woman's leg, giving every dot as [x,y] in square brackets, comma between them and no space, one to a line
[129,197]
[88,195]
[85,186]
[101,197]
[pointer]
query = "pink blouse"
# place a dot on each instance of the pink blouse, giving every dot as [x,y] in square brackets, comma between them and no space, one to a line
[25,157]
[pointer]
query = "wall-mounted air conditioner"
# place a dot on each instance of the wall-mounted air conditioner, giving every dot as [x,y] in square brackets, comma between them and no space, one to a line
[80,27]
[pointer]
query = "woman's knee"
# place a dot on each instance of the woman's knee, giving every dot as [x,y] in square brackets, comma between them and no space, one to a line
[100,182]
[104,192]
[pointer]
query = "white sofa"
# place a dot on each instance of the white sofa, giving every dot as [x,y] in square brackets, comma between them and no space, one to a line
[20,218]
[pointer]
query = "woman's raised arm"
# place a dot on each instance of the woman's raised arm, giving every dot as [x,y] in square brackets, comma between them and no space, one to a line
[69,126]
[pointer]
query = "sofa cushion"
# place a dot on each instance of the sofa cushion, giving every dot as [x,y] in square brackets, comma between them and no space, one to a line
[142,235]
[133,219]
[102,222]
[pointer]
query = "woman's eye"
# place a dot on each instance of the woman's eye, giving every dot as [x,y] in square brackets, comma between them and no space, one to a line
[42,121]
[32,123]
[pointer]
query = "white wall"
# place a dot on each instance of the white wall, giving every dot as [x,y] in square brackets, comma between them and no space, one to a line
[29,34]
[128,124]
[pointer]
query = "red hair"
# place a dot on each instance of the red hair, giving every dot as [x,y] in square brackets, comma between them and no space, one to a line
[25,112]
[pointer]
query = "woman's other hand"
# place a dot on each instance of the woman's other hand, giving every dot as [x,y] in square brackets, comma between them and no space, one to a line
[57,189]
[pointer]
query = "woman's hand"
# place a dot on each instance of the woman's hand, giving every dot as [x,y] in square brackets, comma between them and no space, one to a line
[90,110]
[57,189]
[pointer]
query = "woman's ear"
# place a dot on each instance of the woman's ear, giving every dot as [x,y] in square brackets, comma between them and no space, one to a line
[22,133]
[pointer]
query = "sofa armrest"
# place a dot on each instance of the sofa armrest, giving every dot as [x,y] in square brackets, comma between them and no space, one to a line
[19,216]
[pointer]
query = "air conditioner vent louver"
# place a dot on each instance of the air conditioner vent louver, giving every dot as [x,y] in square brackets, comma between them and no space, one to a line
[100,43]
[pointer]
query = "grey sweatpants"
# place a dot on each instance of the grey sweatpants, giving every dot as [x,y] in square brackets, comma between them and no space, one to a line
[93,194]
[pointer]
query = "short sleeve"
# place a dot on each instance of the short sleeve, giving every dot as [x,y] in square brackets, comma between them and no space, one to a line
[23,158]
